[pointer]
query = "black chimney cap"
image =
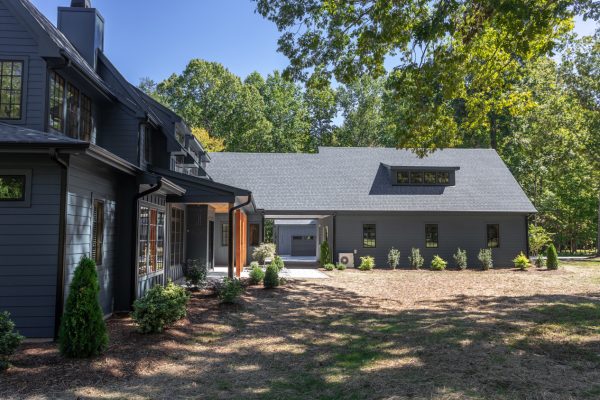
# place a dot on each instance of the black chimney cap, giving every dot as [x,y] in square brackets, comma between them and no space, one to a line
[81,3]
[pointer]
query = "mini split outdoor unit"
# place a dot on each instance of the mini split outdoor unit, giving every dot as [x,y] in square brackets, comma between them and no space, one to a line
[347,259]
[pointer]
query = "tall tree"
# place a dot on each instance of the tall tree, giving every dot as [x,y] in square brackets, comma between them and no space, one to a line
[321,102]
[448,52]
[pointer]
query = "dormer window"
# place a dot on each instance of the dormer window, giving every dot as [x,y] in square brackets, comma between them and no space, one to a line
[11,89]
[422,176]
[70,111]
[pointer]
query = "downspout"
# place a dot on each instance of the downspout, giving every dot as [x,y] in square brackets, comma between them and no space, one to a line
[134,242]
[62,231]
[230,248]
[527,235]
[333,244]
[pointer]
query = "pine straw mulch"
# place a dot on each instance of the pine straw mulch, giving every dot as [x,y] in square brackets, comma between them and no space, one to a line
[501,334]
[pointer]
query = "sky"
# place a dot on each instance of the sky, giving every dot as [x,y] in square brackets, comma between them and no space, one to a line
[156,38]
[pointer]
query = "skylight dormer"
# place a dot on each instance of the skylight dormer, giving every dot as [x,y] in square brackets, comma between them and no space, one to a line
[422,175]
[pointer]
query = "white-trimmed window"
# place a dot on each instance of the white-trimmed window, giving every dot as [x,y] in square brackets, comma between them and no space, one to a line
[151,242]
[98,231]
[177,233]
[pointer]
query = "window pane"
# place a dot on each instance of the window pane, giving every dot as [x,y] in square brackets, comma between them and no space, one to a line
[12,187]
[369,235]
[160,241]
[443,177]
[72,111]
[57,102]
[152,241]
[143,242]
[403,177]
[225,235]
[98,232]
[493,235]
[431,235]
[429,177]
[254,234]
[11,87]
[85,129]
[177,232]
[416,177]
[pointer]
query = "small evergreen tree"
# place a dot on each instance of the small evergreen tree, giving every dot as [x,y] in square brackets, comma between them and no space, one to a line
[551,257]
[325,254]
[9,339]
[271,278]
[82,330]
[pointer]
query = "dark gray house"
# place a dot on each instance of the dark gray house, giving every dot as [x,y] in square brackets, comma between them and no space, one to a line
[90,165]
[367,200]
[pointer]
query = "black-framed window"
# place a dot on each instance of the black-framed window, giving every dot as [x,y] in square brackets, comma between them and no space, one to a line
[431,235]
[493,236]
[11,89]
[422,177]
[85,125]
[369,236]
[57,102]
[12,187]
[72,111]
[176,235]
[98,232]
[403,177]
[443,177]
[254,234]
[151,241]
[416,177]
[225,235]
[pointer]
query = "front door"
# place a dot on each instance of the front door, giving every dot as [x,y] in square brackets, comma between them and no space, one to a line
[211,244]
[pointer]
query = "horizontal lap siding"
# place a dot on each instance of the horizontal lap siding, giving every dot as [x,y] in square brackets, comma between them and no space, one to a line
[29,249]
[16,40]
[87,182]
[404,231]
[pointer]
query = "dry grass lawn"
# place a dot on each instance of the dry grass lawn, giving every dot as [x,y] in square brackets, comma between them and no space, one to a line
[500,334]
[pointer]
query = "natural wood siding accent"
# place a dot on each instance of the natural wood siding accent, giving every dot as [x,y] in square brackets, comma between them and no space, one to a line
[241,241]
[29,249]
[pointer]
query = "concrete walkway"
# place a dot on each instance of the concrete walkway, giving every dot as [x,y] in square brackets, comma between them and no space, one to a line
[290,273]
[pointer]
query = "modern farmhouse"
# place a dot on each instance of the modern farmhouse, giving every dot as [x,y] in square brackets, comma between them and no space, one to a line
[90,165]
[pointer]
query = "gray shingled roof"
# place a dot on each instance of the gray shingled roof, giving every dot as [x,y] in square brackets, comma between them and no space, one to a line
[354,179]
[11,135]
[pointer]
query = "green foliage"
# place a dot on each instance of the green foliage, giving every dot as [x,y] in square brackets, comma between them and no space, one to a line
[278,263]
[254,264]
[9,339]
[195,273]
[416,259]
[329,267]
[271,279]
[367,263]
[325,254]
[160,308]
[552,257]
[522,262]
[460,258]
[256,274]
[538,239]
[485,257]
[438,263]
[393,258]
[340,267]
[263,251]
[82,329]
[230,290]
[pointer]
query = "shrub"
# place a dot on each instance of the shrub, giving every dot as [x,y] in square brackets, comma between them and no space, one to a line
[254,264]
[160,308]
[415,258]
[460,258]
[9,339]
[256,274]
[367,263]
[325,254]
[271,279]
[229,290]
[340,266]
[485,257]
[262,252]
[329,267]
[551,257]
[278,263]
[82,329]
[393,258]
[540,261]
[521,262]
[538,239]
[195,273]
[438,263]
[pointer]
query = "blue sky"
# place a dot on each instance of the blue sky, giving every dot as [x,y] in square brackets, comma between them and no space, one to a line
[155,38]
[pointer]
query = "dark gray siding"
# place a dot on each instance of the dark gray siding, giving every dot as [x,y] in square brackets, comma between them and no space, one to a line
[17,41]
[29,249]
[117,131]
[404,231]
[286,232]
[89,181]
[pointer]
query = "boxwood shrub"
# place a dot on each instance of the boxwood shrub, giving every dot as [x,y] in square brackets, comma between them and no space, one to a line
[160,308]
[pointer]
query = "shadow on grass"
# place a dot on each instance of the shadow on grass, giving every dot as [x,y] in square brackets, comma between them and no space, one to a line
[313,341]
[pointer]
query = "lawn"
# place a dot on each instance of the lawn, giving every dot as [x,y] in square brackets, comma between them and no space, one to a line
[499,334]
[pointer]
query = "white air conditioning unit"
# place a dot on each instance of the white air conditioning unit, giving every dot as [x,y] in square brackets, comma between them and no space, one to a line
[347,259]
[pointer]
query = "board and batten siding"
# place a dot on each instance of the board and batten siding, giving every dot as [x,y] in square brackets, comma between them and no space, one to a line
[18,43]
[87,182]
[404,231]
[29,239]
